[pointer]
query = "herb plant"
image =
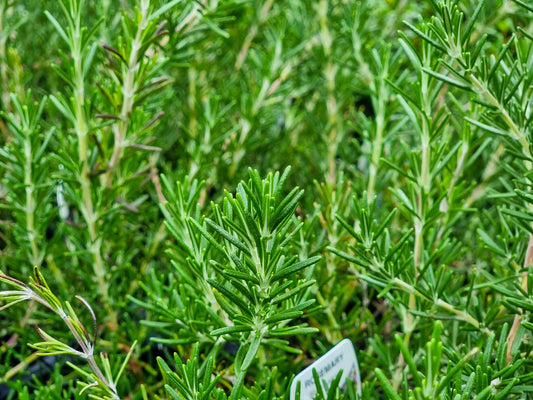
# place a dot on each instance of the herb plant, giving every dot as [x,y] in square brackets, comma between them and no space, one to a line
[229,188]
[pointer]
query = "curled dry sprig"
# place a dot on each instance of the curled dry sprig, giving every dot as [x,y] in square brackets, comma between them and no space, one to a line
[102,385]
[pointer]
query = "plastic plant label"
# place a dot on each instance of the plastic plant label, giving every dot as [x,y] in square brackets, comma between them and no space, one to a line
[341,357]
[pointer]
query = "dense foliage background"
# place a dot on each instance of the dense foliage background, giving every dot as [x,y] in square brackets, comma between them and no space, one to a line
[139,147]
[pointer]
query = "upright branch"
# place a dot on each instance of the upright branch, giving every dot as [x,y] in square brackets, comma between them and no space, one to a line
[133,73]
[78,40]
[335,135]
[100,170]
[499,84]
[27,159]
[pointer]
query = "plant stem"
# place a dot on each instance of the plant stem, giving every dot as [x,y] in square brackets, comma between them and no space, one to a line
[237,387]
[465,147]
[129,87]
[88,350]
[422,191]
[81,127]
[528,261]
[263,14]
[463,316]
[21,366]
[520,136]
[333,332]
[515,132]
[334,134]
[195,148]
[6,103]
[35,258]
[377,143]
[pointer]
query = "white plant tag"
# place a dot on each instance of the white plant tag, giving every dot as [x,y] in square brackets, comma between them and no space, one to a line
[342,356]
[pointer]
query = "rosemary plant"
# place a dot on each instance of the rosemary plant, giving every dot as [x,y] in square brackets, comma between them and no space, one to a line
[117,161]
[138,156]
[236,280]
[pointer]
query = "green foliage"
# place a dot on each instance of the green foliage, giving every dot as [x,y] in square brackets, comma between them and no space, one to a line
[102,386]
[26,161]
[139,144]
[236,280]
